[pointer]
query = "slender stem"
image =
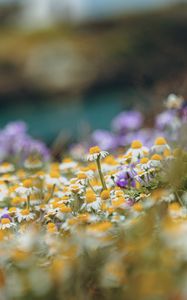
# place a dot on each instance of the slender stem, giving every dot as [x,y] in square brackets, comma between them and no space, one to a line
[179,198]
[52,192]
[28,201]
[101,174]
[77,203]
[91,186]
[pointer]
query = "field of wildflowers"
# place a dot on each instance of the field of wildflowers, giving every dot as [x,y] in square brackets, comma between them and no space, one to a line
[108,221]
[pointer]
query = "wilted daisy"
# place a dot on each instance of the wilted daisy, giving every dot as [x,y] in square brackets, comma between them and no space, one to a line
[174,102]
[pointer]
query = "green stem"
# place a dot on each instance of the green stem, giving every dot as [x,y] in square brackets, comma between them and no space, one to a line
[101,174]
[179,198]
[52,192]
[91,187]
[28,201]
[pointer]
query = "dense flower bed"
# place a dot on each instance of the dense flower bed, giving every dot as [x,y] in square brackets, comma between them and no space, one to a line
[98,227]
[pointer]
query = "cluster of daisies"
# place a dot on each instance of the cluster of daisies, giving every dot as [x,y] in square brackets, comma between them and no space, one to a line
[91,226]
[97,225]
[57,193]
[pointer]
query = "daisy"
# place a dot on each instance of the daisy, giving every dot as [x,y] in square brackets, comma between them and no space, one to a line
[67,164]
[25,215]
[137,150]
[91,201]
[6,223]
[32,163]
[160,145]
[95,153]
[155,160]
[63,212]
[143,164]
[6,167]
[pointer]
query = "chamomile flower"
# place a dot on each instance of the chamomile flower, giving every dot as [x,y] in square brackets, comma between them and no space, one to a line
[160,145]
[6,167]
[63,212]
[155,160]
[25,215]
[6,223]
[92,201]
[68,164]
[95,153]
[137,150]
[32,163]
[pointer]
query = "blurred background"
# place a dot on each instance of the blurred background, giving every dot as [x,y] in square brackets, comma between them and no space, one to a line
[68,66]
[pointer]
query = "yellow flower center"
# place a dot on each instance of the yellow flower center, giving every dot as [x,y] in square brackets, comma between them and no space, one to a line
[95,150]
[81,176]
[144,160]
[90,197]
[25,212]
[117,202]
[105,195]
[110,160]
[160,141]
[138,207]
[5,221]
[65,209]
[136,144]
[12,209]
[67,160]
[27,183]
[5,165]
[156,157]
[55,174]
[174,206]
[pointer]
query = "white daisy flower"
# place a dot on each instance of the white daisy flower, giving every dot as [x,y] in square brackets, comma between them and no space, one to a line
[6,167]
[67,164]
[32,163]
[95,153]
[137,151]
[160,145]
[6,223]
[155,161]
[25,215]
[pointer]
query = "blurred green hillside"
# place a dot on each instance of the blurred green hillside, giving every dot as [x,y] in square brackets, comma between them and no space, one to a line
[136,50]
[139,56]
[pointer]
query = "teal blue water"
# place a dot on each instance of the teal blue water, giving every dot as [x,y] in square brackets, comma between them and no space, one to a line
[46,119]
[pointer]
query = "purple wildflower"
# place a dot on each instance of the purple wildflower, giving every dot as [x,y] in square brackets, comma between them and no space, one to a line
[127,121]
[125,179]
[165,119]
[104,139]
[16,142]
[6,216]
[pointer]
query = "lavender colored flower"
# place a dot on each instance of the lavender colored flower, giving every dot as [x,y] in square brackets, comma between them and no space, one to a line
[6,216]
[125,179]
[127,121]
[104,139]
[16,142]
[165,119]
